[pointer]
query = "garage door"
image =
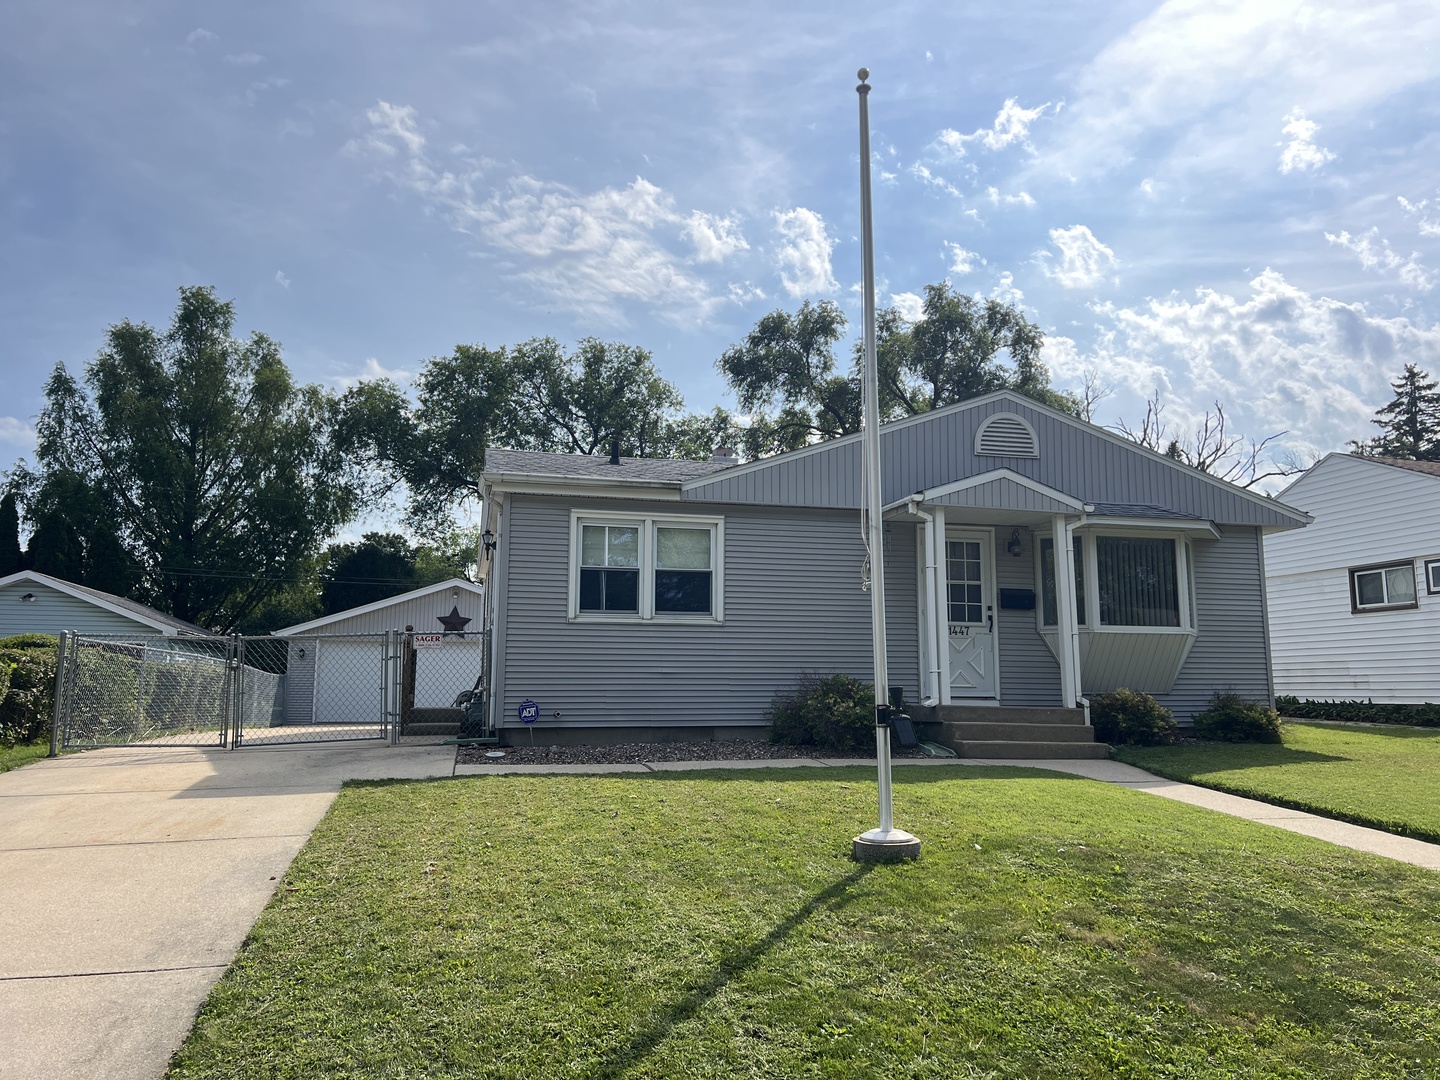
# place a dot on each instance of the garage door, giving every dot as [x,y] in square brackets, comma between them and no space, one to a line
[349,681]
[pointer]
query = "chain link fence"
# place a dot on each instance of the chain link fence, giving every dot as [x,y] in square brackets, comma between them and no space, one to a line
[254,691]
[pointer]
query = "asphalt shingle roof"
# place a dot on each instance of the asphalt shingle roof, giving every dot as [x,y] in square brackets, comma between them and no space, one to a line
[1429,468]
[580,467]
[143,611]
[1139,510]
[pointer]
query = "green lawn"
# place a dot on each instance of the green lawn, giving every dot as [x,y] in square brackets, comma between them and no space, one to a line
[12,757]
[712,925]
[1385,777]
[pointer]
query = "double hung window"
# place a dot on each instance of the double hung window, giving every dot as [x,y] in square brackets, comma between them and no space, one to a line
[1380,588]
[642,567]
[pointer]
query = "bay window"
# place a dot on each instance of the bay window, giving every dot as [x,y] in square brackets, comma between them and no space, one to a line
[1123,581]
[627,567]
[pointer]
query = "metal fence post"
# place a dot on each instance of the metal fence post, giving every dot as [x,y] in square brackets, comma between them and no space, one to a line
[394,662]
[57,716]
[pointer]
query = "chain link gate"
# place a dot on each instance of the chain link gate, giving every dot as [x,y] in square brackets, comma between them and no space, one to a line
[136,690]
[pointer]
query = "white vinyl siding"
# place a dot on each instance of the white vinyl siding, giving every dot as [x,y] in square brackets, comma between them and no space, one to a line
[1367,514]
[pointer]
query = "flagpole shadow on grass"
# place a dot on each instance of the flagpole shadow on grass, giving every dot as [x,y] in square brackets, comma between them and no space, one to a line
[833,898]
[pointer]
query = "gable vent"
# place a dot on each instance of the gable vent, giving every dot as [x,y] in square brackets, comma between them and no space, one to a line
[1006,435]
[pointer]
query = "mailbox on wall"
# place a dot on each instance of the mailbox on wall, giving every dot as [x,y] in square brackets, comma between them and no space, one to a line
[1017,599]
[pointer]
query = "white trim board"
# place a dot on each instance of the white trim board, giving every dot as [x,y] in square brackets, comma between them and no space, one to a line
[389,601]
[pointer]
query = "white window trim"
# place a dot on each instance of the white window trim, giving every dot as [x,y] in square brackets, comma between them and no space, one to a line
[1357,608]
[647,523]
[1090,571]
[1432,576]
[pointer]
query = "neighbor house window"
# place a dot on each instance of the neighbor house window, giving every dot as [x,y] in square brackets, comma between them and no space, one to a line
[1432,575]
[1136,581]
[1048,604]
[645,567]
[1378,588]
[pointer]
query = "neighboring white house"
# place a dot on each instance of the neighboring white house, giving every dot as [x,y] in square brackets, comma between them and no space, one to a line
[34,603]
[1355,598]
[335,663]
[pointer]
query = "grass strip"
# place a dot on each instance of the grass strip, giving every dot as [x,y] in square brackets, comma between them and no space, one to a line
[13,757]
[1382,777]
[712,925]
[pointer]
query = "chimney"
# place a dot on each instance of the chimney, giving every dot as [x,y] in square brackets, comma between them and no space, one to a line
[615,451]
[724,455]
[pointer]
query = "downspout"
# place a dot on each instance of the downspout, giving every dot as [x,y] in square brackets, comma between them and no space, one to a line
[932,637]
[1080,698]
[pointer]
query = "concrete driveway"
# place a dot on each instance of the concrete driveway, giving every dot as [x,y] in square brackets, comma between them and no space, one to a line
[128,880]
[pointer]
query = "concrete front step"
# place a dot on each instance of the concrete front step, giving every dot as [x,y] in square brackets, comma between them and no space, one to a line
[951,732]
[995,714]
[980,748]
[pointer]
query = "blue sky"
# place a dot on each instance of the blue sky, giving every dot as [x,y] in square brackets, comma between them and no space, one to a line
[1232,201]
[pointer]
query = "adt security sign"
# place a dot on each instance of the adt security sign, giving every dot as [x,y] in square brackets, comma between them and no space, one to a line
[529,712]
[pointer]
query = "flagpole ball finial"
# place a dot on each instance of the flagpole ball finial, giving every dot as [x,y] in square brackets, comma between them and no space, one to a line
[863,74]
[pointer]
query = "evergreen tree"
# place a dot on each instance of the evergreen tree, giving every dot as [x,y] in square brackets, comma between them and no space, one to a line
[1409,424]
[11,557]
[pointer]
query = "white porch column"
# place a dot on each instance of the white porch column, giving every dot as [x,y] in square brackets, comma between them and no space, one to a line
[941,606]
[1065,612]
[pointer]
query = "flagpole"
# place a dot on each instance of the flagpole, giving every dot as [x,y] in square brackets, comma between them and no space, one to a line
[886,843]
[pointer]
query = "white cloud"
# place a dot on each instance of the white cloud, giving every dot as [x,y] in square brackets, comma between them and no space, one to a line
[16,432]
[590,252]
[1215,73]
[1375,253]
[804,257]
[1301,154]
[1279,359]
[1012,125]
[245,59]
[996,199]
[1084,261]
[962,261]
[910,306]
[925,176]
[281,279]
[200,34]
[1429,226]
[715,238]
[389,125]
[371,370]
[1006,292]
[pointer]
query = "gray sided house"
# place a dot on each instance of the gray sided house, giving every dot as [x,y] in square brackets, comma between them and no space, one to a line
[681,596]
[34,603]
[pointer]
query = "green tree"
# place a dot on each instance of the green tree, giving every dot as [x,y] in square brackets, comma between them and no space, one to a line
[1410,423]
[784,373]
[531,396]
[12,559]
[217,471]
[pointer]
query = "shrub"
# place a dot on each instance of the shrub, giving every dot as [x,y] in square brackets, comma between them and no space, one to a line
[1360,712]
[1131,716]
[1230,718]
[835,713]
[30,641]
[27,705]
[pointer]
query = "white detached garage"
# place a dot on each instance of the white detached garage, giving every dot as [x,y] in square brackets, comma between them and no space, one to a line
[336,663]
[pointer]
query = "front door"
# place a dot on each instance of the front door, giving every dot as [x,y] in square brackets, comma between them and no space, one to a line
[970,613]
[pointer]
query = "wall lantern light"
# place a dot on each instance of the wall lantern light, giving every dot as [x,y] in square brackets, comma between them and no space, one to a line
[487,540]
[1013,545]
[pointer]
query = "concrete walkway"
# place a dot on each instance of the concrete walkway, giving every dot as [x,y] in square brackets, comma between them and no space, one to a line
[129,880]
[1400,848]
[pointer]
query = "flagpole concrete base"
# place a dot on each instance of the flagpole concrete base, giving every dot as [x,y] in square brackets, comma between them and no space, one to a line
[885,847]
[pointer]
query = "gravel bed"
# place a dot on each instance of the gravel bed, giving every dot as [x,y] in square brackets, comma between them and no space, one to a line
[635,753]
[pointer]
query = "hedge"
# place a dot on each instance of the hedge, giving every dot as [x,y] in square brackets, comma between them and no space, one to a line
[27,698]
[1359,712]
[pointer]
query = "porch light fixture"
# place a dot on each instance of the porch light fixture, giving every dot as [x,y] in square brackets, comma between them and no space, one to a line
[28,598]
[487,540]
[1013,545]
